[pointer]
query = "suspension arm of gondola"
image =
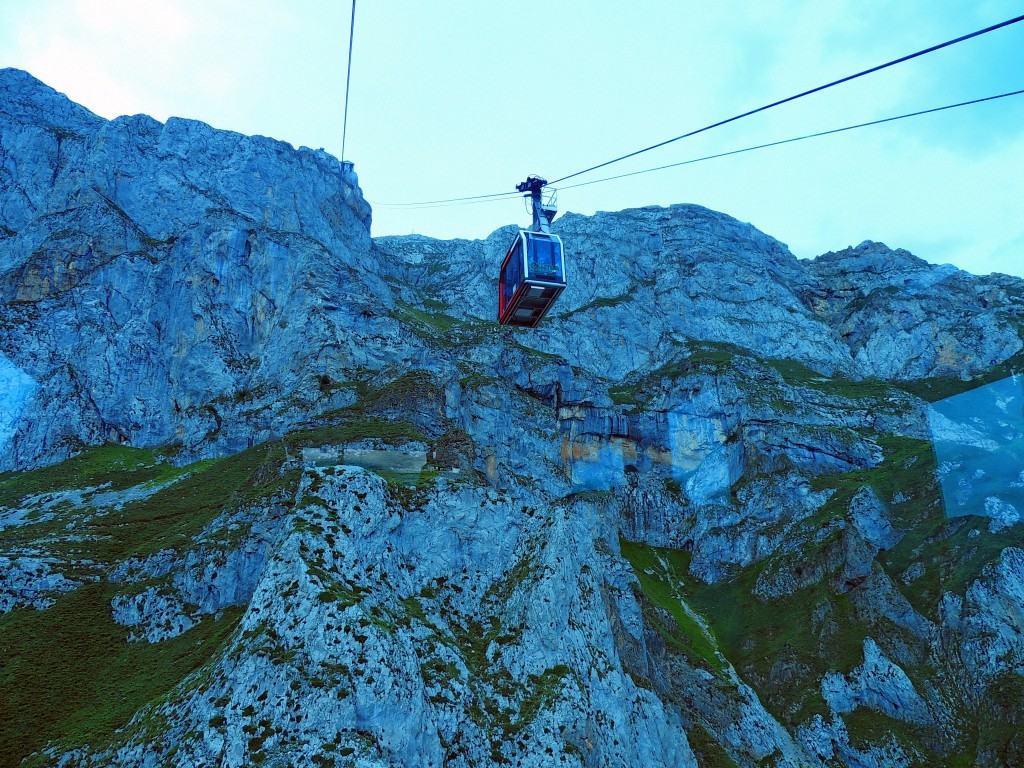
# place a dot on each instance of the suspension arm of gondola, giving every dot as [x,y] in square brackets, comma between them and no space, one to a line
[532,275]
[542,214]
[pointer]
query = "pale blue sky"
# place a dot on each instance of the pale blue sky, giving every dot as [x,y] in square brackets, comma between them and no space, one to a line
[463,97]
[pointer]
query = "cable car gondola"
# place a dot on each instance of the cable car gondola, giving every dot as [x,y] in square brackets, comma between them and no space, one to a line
[533,272]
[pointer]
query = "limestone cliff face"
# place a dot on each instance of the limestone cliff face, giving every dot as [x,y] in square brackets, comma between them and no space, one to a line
[344,518]
[168,283]
[174,283]
[905,318]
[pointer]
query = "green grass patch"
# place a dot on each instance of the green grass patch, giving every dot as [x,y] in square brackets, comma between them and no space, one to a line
[409,488]
[661,573]
[797,374]
[541,691]
[356,428]
[701,357]
[525,570]
[478,380]
[169,518]
[626,394]
[118,466]
[473,640]
[950,556]
[411,385]
[438,322]
[172,473]
[707,750]
[442,328]
[868,728]
[759,378]
[943,547]
[714,354]
[940,387]
[373,413]
[754,634]
[174,516]
[400,479]
[537,353]
[70,674]
[908,468]
[707,357]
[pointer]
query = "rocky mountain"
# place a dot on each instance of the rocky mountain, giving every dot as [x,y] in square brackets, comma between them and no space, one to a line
[279,493]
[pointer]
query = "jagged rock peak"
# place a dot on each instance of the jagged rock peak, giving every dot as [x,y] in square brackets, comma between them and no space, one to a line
[177,250]
[26,99]
[871,265]
[657,530]
[871,256]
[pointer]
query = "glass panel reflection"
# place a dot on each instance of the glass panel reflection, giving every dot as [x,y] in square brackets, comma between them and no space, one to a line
[512,274]
[545,260]
[979,447]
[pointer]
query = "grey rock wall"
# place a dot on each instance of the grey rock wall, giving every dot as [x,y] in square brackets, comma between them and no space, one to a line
[689,518]
[175,283]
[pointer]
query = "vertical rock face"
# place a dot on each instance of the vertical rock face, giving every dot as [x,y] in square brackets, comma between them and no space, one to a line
[904,318]
[321,510]
[154,277]
[173,283]
[469,633]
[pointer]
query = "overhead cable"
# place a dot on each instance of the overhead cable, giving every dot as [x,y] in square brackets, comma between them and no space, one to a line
[430,203]
[509,195]
[446,204]
[501,195]
[846,79]
[797,138]
[348,79]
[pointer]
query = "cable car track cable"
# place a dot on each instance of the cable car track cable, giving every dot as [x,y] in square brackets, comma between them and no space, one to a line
[496,195]
[846,79]
[509,195]
[428,203]
[348,79]
[797,138]
[446,203]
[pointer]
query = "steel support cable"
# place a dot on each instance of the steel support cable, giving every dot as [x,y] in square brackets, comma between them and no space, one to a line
[348,79]
[510,195]
[447,203]
[797,138]
[846,79]
[459,200]
[429,203]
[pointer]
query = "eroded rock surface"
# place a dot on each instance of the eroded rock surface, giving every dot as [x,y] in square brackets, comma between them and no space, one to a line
[693,519]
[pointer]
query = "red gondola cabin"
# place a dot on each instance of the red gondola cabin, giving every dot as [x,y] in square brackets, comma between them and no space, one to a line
[532,277]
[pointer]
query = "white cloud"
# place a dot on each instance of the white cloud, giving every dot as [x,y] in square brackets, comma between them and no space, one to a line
[103,53]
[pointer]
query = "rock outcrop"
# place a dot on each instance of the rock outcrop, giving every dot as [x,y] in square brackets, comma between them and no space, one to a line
[284,494]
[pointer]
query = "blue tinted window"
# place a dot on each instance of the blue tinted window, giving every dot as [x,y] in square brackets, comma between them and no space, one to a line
[544,257]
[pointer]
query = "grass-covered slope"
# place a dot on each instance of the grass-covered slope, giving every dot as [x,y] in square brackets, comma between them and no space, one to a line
[803,610]
[71,674]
